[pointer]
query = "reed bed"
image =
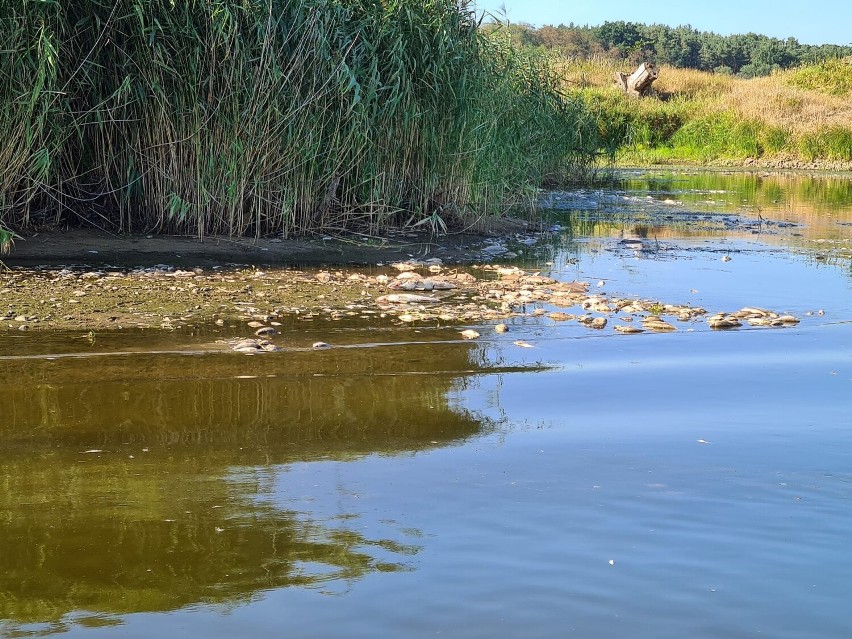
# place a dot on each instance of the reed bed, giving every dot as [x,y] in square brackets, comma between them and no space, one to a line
[254,117]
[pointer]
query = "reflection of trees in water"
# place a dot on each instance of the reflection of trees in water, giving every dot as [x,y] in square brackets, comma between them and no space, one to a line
[357,400]
[158,520]
[818,204]
[114,537]
[808,197]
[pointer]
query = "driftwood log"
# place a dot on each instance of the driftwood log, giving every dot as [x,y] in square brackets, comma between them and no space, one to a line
[639,82]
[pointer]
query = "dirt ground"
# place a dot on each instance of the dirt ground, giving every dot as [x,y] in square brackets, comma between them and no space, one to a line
[89,247]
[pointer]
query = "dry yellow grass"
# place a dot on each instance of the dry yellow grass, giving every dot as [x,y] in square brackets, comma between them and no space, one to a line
[771,100]
[692,84]
[799,114]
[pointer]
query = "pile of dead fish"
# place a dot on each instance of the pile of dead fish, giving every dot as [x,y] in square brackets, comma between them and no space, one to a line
[505,292]
[426,292]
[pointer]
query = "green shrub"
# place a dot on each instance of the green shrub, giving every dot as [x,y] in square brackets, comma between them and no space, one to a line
[720,136]
[832,144]
[833,77]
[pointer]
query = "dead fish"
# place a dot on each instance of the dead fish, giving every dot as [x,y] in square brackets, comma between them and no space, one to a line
[722,322]
[560,317]
[628,330]
[523,344]
[246,344]
[406,298]
[751,312]
[254,346]
[654,323]
[762,321]
[421,285]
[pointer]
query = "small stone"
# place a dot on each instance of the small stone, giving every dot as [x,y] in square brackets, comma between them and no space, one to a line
[501,328]
[320,346]
[469,334]
[726,258]
[256,324]
[265,331]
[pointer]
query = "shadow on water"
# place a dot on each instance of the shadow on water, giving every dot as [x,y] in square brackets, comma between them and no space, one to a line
[135,483]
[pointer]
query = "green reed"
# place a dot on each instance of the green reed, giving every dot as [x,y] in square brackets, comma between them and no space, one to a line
[273,116]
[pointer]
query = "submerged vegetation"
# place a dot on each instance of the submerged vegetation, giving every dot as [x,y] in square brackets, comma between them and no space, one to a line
[272,116]
[790,117]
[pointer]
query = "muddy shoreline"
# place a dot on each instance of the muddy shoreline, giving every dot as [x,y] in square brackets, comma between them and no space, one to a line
[258,302]
[85,279]
[95,248]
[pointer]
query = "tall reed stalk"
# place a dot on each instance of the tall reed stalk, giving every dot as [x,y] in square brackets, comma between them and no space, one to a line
[272,116]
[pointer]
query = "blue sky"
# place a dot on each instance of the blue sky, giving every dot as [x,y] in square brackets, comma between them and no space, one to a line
[811,22]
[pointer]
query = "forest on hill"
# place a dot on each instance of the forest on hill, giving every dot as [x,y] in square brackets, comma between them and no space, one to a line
[745,55]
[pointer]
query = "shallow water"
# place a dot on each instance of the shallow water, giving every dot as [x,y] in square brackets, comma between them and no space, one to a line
[406,483]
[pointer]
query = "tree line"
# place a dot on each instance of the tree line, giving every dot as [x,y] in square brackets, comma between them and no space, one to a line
[745,55]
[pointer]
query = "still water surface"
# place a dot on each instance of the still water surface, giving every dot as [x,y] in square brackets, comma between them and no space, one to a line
[695,484]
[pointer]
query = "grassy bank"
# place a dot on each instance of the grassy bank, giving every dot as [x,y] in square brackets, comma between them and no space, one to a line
[797,116]
[253,117]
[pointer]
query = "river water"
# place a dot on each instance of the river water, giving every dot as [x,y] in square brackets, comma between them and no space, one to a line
[409,484]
